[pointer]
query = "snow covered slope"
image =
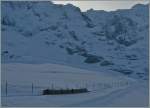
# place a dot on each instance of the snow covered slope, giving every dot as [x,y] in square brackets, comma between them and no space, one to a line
[105,89]
[43,32]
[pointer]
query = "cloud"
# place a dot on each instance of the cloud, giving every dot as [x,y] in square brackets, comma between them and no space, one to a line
[103,5]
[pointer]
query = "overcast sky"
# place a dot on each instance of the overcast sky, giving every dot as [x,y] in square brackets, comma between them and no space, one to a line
[108,5]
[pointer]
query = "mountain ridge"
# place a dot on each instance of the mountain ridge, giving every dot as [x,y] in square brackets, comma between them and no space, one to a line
[41,32]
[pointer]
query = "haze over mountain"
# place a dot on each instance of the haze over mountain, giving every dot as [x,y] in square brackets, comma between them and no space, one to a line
[43,32]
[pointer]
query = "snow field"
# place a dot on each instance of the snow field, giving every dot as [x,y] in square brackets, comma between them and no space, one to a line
[20,78]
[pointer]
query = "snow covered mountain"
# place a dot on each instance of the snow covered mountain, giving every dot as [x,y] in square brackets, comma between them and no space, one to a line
[43,32]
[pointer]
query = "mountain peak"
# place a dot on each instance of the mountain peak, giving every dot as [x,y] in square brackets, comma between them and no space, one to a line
[140,6]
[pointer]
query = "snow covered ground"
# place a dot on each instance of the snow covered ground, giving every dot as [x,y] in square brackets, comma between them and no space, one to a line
[45,45]
[105,89]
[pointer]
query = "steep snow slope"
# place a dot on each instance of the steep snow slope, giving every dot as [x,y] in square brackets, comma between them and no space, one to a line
[43,32]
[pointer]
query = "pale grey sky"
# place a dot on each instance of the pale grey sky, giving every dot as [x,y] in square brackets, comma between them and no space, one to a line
[108,5]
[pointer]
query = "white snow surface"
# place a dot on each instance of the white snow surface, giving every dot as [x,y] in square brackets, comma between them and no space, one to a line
[105,89]
[58,46]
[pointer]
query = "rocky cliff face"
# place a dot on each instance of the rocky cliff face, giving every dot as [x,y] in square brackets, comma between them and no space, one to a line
[43,32]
